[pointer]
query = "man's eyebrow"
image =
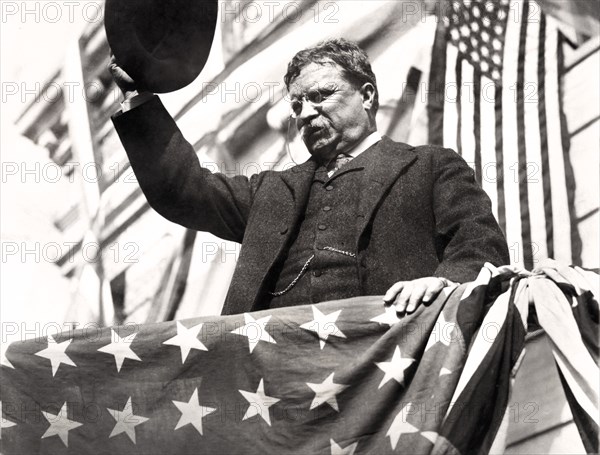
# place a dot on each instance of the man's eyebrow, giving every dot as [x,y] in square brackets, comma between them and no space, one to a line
[329,86]
[300,93]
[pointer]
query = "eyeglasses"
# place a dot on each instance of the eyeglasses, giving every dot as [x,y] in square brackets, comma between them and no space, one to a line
[315,97]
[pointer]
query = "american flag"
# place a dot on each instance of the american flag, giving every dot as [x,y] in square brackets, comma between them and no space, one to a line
[495,97]
[341,377]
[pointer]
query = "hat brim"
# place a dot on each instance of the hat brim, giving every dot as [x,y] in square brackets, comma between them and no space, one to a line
[162,44]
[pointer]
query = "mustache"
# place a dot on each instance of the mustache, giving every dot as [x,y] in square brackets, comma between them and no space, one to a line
[312,127]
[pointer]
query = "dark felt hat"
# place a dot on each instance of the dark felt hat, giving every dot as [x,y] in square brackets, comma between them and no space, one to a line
[162,44]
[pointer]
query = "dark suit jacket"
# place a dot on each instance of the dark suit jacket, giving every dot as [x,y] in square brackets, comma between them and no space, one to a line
[422,212]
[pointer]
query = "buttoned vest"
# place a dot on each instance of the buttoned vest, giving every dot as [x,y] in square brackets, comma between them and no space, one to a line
[321,263]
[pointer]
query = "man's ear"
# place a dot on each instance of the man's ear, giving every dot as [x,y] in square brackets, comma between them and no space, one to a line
[367,92]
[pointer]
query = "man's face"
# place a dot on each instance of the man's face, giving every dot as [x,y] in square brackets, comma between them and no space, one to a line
[336,123]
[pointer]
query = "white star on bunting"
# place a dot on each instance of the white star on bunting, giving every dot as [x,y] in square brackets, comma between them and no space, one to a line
[337,449]
[4,423]
[192,412]
[326,392]
[324,325]
[126,421]
[55,352]
[186,339]
[389,316]
[259,403]
[400,426]
[255,330]
[120,348]
[394,369]
[445,371]
[441,333]
[60,425]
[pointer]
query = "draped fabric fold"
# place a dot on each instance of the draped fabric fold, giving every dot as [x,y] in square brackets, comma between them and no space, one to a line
[566,303]
[345,376]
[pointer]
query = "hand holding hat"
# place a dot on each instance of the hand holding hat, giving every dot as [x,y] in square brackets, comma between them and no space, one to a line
[122,79]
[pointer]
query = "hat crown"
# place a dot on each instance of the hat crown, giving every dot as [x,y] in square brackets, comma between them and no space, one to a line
[162,44]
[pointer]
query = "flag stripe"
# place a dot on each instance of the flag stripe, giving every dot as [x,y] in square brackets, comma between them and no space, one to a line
[500,169]
[588,429]
[521,131]
[468,113]
[535,189]
[545,166]
[451,96]
[477,123]
[451,91]
[461,105]
[585,395]
[487,139]
[510,142]
[495,318]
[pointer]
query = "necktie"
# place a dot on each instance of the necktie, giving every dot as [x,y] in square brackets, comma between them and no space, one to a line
[339,161]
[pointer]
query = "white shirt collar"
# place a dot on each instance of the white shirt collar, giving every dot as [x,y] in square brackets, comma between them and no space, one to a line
[363,145]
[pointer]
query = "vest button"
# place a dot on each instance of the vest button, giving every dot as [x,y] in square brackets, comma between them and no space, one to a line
[329,187]
[326,208]
[283,231]
[322,227]
[317,273]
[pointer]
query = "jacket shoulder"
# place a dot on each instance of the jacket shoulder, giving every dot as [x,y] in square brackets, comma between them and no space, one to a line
[434,153]
[441,157]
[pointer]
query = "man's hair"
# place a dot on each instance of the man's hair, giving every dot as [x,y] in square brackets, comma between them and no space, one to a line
[351,58]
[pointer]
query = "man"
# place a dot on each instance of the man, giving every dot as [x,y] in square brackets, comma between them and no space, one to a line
[394,219]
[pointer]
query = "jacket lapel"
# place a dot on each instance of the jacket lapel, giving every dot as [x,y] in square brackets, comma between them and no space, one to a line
[386,162]
[299,180]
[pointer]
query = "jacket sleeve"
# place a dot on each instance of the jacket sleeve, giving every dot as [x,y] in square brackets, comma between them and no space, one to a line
[174,182]
[467,234]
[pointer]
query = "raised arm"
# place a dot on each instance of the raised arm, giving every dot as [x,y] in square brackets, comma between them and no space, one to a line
[170,174]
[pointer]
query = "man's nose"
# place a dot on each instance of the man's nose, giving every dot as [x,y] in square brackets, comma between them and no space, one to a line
[308,112]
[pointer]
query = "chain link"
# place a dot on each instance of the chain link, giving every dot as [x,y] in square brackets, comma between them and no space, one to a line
[335,250]
[295,280]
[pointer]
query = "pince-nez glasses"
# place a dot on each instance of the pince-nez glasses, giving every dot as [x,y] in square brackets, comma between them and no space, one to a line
[314,97]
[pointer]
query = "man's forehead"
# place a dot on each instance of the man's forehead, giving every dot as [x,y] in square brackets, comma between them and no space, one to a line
[316,75]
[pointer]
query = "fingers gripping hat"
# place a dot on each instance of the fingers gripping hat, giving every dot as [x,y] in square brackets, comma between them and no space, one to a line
[162,44]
